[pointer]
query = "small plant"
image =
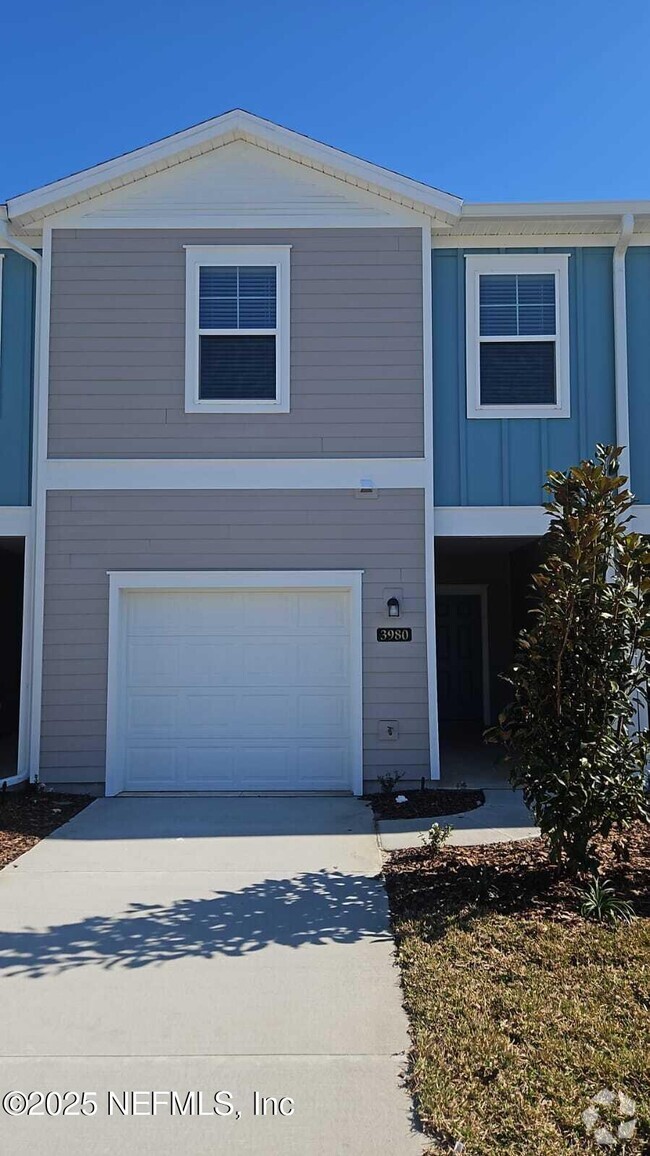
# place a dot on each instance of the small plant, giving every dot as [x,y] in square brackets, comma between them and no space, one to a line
[389,781]
[601,903]
[436,836]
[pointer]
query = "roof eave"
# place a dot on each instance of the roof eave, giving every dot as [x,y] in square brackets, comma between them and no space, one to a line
[231,126]
[550,209]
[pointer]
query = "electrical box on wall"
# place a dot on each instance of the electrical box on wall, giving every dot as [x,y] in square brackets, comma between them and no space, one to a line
[388,729]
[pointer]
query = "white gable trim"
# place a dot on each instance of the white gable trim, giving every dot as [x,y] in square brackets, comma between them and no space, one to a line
[212,134]
[238,185]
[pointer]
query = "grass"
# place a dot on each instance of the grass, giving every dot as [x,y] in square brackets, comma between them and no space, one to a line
[519,1012]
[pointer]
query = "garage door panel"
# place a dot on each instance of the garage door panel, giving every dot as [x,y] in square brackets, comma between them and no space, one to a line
[323,767]
[265,610]
[208,662]
[279,766]
[324,715]
[152,767]
[324,665]
[150,613]
[209,768]
[152,663]
[204,614]
[151,714]
[237,690]
[327,612]
[269,663]
[205,711]
[263,715]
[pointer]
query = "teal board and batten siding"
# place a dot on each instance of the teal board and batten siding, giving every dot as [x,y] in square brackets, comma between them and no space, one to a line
[638,352]
[492,462]
[16,358]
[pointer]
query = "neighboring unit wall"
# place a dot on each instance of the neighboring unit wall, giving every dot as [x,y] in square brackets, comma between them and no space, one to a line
[16,358]
[638,346]
[90,533]
[479,462]
[117,347]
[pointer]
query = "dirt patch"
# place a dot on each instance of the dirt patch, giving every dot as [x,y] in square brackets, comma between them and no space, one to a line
[28,816]
[425,804]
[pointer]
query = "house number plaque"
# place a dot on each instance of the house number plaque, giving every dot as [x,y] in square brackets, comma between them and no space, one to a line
[394,634]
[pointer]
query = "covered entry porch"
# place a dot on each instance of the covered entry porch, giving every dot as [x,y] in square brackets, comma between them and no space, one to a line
[483,597]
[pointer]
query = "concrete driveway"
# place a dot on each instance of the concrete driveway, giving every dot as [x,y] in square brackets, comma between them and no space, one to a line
[203,945]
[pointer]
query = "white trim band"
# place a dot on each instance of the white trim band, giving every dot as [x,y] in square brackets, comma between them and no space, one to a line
[490,521]
[234,474]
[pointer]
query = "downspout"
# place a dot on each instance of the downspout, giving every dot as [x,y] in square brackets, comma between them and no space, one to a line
[620,341]
[10,242]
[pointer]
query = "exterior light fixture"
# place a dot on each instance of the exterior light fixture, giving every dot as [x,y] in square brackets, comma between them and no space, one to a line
[393,608]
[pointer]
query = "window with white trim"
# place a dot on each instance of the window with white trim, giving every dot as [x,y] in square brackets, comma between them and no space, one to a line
[237,329]
[517,335]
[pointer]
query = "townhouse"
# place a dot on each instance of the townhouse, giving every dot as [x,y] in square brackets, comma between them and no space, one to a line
[292,415]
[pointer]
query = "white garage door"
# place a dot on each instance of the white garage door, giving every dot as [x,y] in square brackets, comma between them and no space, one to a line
[236,690]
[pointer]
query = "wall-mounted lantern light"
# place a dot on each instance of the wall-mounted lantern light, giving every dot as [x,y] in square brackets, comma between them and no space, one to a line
[393,608]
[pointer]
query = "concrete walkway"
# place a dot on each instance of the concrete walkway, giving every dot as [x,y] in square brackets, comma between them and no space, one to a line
[502,818]
[205,945]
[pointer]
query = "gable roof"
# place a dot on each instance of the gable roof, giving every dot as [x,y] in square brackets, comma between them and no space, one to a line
[32,207]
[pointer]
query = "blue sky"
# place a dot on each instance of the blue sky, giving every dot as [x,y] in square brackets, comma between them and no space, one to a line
[495,100]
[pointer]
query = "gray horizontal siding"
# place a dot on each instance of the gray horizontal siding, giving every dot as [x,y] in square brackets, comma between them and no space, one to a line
[89,533]
[117,344]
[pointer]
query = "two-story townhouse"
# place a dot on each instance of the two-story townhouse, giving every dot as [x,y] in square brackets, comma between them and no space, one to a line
[293,417]
[17,331]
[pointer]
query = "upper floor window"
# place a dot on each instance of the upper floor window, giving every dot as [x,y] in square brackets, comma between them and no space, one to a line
[237,329]
[517,336]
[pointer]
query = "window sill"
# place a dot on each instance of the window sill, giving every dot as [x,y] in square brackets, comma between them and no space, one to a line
[519,412]
[236,407]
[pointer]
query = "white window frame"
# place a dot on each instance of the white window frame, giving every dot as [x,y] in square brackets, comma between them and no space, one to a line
[478,265]
[197,256]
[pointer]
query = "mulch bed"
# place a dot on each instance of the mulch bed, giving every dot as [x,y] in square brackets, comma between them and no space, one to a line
[512,877]
[27,816]
[425,804]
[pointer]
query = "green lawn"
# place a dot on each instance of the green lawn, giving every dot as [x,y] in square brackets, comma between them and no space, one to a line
[520,1010]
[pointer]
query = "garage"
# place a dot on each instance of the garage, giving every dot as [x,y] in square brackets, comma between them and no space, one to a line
[222,687]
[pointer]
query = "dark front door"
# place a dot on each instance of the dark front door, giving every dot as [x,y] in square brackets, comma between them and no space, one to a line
[460,658]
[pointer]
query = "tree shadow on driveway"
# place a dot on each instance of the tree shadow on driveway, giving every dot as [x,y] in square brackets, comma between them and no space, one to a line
[311,909]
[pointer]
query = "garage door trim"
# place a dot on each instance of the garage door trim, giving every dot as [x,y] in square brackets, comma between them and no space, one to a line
[123,581]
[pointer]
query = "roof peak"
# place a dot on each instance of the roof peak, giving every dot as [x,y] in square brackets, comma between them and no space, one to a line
[209,134]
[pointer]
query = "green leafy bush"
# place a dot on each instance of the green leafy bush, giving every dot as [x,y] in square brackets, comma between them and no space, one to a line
[581,668]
